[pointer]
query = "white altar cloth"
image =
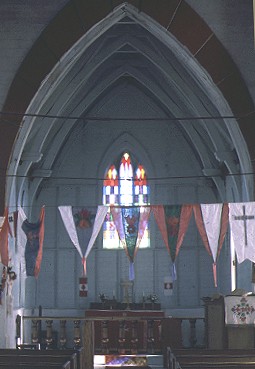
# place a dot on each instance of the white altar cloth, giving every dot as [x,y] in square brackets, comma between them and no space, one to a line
[239,310]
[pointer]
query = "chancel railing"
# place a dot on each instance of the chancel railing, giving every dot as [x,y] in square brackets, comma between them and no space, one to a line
[107,334]
[50,331]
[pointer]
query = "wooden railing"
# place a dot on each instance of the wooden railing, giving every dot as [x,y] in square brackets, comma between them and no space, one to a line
[95,334]
[191,332]
[42,331]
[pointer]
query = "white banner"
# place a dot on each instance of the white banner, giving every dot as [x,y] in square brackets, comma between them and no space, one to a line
[21,239]
[67,217]
[68,220]
[242,230]
[212,222]
[100,217]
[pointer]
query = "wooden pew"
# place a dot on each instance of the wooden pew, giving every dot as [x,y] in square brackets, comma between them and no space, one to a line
[205,358]
[74,355]
[14,364]
[47,360]
[216,363]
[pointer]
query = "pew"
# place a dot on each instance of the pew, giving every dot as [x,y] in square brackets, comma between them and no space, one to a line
[68,358]
[207,358]
[215,363]
[42,360]
[12,364]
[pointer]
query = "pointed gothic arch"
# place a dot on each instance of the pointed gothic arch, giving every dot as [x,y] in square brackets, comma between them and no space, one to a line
[37,140]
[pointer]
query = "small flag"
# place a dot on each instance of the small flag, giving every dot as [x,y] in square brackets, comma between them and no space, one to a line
[168,286]
[83,281]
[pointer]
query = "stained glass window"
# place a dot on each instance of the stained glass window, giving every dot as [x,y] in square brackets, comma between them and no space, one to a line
[125,184]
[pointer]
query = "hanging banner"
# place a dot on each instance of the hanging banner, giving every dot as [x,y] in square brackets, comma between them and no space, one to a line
[4,239]
[100,217]
[212,223]
[173,221]
[30,237]
[130,219]
[68,220]
[242,230]
[83,225]
[130,223]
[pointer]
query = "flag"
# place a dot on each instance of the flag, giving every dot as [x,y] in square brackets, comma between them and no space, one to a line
[173,221]
[83,284]
[30,237]
[212,223]
[168,286]
[4,239]
[242,230]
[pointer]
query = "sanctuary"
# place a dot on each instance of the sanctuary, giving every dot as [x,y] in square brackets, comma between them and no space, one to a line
[127,177]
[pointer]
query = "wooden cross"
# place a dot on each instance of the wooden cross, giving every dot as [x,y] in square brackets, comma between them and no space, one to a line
[244,218]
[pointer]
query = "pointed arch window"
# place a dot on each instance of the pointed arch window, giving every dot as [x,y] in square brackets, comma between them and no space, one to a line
[124,184]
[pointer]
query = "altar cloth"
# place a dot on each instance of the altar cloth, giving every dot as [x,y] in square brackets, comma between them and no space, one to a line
[239,310]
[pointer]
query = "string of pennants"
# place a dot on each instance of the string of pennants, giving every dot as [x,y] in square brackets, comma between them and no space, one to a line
[83,226]
[212,221]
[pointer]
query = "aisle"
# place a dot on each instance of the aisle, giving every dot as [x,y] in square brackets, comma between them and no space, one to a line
[124,361]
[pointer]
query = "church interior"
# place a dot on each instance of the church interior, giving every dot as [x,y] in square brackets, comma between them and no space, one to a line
[122,126]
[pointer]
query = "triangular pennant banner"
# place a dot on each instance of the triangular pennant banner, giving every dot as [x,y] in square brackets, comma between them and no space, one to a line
[82,223]
[30,237]
[130,223]
[212,223]
[173,221]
